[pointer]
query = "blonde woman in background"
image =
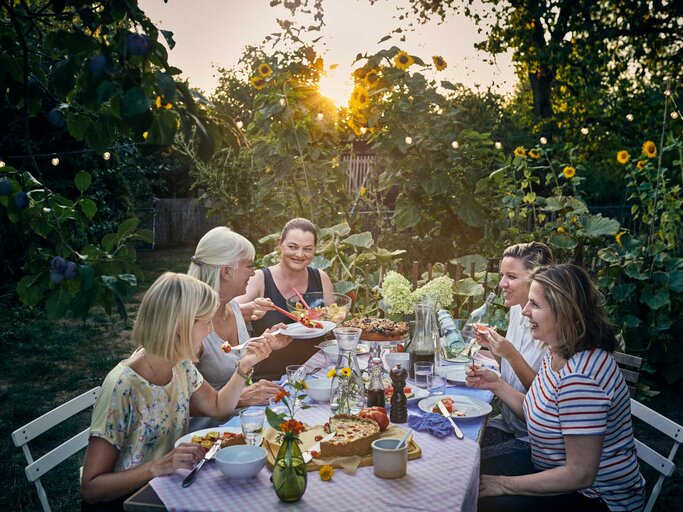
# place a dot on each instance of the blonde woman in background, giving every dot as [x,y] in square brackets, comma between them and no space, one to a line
[518,354]
[224,260]
[145,402]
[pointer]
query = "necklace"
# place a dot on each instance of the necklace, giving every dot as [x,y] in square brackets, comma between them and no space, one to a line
[156,377]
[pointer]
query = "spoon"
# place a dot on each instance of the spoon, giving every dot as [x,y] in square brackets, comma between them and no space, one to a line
[403,439]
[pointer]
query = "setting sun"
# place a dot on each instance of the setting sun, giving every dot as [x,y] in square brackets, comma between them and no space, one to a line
[337,85]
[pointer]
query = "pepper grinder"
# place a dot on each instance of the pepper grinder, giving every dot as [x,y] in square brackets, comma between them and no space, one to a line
[399,402]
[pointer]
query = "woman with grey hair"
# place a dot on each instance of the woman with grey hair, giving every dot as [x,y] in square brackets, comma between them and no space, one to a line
[225,261]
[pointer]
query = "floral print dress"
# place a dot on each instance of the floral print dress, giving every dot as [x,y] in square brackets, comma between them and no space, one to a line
[142,420]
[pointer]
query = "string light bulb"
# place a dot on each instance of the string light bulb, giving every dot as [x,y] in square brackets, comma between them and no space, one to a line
[239,124]
[544,140]
[584,130]
[282,102]
[409,140]
[455,144]
[674,115]
[106,155]
[629,117]
[363,129]
[2,163]
[320,116]
[498,145]
[55,161]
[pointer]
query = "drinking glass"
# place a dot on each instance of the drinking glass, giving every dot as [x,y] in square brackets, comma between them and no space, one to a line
[422,369]
[251,421]
[436,384]
[295,373]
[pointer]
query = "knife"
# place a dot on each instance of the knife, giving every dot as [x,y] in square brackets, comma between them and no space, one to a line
[444,411]
[308,454]
[209,455]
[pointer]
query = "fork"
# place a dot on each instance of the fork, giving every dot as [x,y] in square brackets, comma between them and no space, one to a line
[262,337]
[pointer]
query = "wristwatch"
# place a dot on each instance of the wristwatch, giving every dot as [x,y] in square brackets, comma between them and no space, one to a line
[245,376]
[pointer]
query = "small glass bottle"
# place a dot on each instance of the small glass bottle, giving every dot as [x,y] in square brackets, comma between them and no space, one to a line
[450,330]
[478,316]
[399,402]
[375,392]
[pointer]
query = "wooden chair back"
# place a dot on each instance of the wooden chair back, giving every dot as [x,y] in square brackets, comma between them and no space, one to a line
[630,369]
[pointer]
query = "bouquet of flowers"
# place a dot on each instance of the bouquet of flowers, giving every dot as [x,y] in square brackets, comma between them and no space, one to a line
[284,421]
[396,293]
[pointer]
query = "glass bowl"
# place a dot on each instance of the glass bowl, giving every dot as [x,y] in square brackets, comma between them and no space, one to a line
[333,307]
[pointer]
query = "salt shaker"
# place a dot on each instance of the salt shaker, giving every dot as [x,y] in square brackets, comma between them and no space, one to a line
[399,402]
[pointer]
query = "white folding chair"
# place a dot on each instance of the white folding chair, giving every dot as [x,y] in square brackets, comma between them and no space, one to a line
[22,436]
[663,465]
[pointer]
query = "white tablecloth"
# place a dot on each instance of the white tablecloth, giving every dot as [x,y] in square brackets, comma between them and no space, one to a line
[446,477]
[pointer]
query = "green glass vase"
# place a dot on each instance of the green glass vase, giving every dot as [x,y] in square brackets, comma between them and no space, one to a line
[289,472]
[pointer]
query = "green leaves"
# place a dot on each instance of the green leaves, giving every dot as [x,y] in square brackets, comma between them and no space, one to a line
[83,181]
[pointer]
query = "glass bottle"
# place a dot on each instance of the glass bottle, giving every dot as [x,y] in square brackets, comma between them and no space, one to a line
[348,388]
[375,392]
[290,476]
[450,330]
[423,345]
[478,316]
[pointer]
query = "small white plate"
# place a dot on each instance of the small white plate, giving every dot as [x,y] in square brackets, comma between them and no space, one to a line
[455,373]
[362,349]
[301,332]
[417,395]
[473,408]
[187,438]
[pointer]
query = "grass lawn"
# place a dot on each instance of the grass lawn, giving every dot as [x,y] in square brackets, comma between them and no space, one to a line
[46,363]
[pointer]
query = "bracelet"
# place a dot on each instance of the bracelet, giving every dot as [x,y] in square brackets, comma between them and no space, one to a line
[245,376]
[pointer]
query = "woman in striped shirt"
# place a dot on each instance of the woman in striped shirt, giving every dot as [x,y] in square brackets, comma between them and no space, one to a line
[582,455]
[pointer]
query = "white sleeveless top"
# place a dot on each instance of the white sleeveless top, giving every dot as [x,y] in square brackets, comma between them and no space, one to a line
[216,366]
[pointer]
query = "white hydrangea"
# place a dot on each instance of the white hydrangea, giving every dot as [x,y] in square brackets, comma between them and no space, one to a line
[396,293]
[439,289]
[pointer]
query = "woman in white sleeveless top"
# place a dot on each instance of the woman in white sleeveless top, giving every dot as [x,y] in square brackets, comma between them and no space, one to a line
[225,261]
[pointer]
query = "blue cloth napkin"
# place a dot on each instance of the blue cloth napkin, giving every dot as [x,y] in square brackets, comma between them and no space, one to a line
[435,424]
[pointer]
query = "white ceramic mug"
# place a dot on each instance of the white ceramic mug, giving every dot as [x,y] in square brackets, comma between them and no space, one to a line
[387,461]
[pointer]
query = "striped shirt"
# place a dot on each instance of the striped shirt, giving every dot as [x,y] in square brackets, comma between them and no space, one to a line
[588,396]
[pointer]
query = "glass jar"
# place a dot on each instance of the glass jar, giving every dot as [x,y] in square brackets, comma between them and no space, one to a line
[423,345]
[348,388]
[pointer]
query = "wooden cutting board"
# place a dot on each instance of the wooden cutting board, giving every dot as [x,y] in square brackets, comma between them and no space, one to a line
[308,440]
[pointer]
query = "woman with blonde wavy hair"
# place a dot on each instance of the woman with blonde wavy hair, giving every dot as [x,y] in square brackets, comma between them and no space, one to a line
[145,402]
[224,260]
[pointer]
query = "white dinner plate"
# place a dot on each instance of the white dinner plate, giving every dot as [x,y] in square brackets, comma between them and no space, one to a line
[455,373]
[301,332]
[473,408]
[417,395]
[187,438]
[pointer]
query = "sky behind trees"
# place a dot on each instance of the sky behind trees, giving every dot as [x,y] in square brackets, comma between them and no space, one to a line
[213,33]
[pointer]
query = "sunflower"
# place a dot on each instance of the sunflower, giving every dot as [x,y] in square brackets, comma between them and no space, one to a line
[649,149]
[280,395]
[326,473]
[264,70]
[345,372]
[568,172]
[618,236]
[623,156]
[258,82]
[439,63]
[372,78]
[403,61]
[535,154]
[359,98]
[331,373]
[641,164]
[520,151]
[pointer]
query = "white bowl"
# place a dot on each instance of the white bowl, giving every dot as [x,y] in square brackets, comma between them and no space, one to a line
[394,358]
[319,389]
[241,461]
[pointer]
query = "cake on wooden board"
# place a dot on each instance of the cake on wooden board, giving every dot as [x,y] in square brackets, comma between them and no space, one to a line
[379,329]
[354,436]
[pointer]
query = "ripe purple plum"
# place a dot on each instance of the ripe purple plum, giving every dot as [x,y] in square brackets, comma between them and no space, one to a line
[71,270]
[21,200]
[56,277]
[58,264]
[56,118]
[138,44]
[98,64]
[5,187]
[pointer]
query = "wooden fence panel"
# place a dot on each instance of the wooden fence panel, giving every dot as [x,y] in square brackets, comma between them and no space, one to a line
[181,222]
